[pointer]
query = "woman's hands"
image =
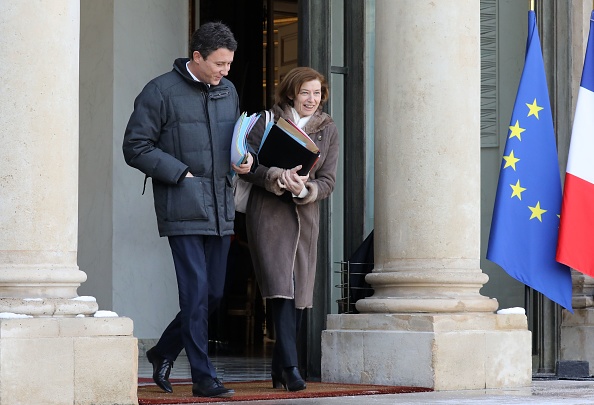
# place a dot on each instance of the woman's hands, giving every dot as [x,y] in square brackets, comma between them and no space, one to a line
[292,181]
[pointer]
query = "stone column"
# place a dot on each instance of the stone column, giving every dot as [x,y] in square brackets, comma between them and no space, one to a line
[426,323]
[427,160]
[577,329]
[39,159]
[69,355]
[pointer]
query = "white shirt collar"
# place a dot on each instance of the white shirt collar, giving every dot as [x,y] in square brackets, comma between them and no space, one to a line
[192,74]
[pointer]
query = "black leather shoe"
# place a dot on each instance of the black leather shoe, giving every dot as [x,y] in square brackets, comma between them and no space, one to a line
[211,387]
[161,369]
[292,379]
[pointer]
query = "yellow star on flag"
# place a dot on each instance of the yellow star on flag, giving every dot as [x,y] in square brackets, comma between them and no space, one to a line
[516,131]
[517,190]
[510,160]
[534,109]
[537,211]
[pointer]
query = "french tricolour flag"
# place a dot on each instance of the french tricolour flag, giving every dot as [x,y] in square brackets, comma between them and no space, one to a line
[575,246]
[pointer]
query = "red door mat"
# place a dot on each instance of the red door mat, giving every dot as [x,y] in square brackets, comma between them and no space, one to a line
[150,394]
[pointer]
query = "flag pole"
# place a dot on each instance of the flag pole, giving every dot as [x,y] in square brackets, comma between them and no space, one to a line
[532,4]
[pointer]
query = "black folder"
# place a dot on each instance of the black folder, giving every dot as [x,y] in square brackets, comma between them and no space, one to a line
[286,146]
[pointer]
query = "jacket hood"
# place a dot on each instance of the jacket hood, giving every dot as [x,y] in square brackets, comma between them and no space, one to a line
[179,65]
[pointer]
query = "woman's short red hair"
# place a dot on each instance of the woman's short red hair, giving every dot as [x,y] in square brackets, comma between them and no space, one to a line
[291,83]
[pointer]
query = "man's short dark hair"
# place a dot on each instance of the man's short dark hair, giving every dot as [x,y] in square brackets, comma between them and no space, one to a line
[212,36]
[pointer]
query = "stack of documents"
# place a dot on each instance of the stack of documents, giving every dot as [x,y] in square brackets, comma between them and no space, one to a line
[286,146]
[283,145]
[239,148]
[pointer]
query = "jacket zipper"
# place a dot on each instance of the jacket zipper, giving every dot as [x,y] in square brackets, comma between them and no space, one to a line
[212,157]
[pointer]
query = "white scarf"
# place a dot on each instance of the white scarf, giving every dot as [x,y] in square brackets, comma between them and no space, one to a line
[300,122]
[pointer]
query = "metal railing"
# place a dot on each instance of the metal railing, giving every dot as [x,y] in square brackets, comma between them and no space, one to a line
[352,285]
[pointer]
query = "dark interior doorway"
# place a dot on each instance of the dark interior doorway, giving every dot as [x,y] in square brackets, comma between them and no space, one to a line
[246,19]
[254,59]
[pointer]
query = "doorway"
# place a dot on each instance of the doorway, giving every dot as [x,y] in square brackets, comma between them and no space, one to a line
[249,21]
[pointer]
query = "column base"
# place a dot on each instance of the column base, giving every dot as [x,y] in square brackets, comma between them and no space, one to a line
[577,335]
[439,351]
[56,307]
[80,361]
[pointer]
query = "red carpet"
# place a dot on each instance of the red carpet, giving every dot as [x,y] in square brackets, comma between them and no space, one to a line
[150,394]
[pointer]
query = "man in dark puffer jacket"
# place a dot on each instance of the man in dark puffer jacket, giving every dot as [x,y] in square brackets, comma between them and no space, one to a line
[179,134]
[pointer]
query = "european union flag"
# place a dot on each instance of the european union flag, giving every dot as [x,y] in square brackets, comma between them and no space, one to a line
[525,225]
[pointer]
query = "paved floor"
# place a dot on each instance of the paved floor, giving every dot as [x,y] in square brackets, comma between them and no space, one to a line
[542,391]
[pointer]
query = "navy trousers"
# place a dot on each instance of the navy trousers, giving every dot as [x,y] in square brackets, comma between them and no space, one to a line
[287,322]
[200,266]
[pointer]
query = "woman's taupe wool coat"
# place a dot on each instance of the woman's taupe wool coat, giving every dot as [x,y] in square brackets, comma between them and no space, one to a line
[282,230]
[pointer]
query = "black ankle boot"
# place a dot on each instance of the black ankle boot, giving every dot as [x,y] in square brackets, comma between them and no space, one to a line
[292,379]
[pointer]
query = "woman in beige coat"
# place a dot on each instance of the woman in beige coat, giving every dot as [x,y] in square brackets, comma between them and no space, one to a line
[282,217]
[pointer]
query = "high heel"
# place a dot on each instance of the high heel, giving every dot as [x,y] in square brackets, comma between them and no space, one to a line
[292,379]
[277,380]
